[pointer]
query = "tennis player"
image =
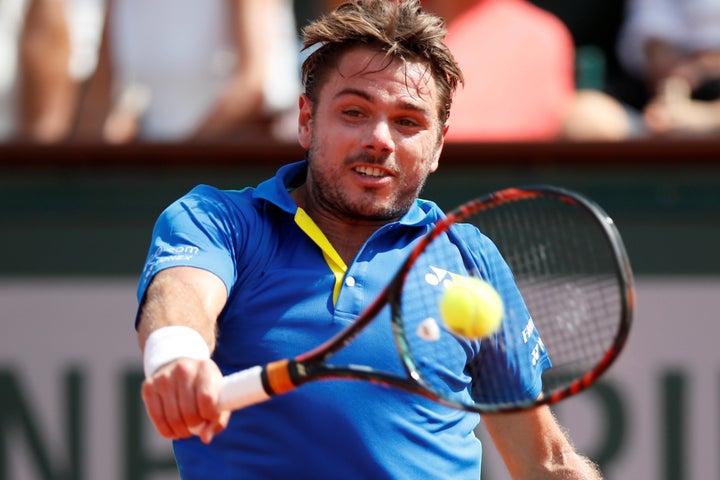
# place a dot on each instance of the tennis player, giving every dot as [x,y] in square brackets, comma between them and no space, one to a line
[244,277]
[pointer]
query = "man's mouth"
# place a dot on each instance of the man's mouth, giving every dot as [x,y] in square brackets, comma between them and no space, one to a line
[370,171]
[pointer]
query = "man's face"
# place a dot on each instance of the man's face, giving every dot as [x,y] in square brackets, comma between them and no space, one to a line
[373,136]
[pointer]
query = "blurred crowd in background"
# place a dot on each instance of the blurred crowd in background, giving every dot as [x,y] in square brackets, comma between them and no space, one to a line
[122,71]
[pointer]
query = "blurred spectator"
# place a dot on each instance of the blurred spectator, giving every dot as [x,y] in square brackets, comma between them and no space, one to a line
[673,48]
[518,62]
[519,67]
[595,113]
[47,49]
[594,26]
[12,15]
[199,69]
[670,53]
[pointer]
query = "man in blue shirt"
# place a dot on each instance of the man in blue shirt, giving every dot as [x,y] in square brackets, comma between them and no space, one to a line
[239,278]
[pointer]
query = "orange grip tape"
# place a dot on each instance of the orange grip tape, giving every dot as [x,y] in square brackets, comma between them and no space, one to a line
[278,376]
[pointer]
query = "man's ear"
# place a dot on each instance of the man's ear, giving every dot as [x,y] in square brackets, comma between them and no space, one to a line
[305,121]
[441,143]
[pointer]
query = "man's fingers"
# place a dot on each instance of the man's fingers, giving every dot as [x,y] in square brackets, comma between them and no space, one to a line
[154,407]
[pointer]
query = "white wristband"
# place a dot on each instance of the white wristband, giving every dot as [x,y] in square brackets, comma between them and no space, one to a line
[170,343]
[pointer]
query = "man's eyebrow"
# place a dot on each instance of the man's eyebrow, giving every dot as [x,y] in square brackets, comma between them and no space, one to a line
[354,91]
[404,105]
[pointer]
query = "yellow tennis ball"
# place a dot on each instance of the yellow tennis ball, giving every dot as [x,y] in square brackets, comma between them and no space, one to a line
[471,307]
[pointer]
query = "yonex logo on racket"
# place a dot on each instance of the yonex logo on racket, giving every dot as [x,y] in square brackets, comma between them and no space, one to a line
[440,276]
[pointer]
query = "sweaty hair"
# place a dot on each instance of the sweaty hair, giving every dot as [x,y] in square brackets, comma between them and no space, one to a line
[399,28]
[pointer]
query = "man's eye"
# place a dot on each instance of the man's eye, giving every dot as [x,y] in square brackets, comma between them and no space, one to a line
[408,122]
[352,113]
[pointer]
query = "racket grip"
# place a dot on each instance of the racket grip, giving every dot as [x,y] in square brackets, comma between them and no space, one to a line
[242,389]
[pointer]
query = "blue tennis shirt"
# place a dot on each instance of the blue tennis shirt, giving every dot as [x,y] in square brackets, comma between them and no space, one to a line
[289,291]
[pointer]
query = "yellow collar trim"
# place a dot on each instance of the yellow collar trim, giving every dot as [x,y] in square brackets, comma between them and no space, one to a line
[333,259]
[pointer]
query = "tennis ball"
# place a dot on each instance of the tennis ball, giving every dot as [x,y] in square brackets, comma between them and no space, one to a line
[471,307]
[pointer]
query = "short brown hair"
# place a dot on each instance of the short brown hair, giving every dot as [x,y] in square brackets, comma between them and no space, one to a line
[400,28]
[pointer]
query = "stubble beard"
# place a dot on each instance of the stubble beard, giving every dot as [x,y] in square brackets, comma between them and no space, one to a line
[329,195]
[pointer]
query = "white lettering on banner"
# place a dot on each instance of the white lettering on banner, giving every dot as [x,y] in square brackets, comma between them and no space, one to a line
[655,416]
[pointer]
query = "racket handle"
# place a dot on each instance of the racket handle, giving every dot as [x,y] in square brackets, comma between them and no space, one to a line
[242,389]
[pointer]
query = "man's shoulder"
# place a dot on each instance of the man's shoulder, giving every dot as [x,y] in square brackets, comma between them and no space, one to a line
[211,194]
[211,201]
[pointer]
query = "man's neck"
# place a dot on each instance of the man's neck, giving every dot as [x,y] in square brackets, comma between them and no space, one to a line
[347,236]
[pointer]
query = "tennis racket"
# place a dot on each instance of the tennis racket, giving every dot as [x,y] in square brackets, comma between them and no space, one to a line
[570,266]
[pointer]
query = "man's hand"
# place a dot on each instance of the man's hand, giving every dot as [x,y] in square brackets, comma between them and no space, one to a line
[181,400]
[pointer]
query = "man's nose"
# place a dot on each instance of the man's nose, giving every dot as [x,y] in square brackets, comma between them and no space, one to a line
[379,138]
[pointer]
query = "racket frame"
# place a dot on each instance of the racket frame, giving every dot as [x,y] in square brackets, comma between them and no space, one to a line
[285,375]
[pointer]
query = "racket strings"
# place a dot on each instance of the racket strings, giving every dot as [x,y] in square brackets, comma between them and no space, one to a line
[565,268]
[435,355]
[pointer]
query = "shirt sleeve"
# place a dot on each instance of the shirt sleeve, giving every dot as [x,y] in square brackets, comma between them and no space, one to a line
[194,231]
[509,365]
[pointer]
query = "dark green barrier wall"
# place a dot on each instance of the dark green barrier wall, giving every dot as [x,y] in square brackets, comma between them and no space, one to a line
[89,210]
